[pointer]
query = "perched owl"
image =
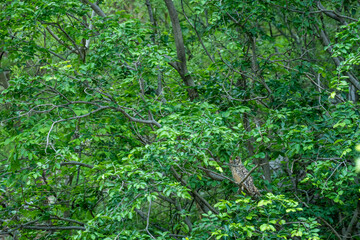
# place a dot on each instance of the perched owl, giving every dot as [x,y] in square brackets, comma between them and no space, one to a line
[239,172]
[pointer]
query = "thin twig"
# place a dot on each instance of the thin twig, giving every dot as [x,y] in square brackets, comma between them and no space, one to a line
[148,221]
[67,119]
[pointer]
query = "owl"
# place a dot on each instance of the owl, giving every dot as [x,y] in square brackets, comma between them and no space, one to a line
[239,172]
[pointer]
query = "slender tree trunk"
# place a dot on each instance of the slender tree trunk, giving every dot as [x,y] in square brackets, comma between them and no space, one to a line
[181,66]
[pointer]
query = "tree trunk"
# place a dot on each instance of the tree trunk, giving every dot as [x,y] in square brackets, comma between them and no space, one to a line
[181,66]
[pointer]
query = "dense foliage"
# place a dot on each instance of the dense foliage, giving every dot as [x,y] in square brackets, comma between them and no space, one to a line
[119,119]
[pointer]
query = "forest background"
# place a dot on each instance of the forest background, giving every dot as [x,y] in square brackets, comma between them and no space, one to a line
[119,119]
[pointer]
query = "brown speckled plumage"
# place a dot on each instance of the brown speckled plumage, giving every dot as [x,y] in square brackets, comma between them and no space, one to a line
[239,172]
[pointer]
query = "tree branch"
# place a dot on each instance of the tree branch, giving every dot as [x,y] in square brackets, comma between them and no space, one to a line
[137,119]
[197,33]
[95,7]
[326,43]
[67,119]
[353,221]
[195,194]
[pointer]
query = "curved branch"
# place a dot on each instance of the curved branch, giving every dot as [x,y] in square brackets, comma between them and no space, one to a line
[195,194]
[216,176]
[333,14]
[137,119]
[72,118]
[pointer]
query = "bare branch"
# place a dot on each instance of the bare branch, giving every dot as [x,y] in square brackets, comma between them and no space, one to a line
[67,119]
[196,195]
[148,221]
[95,7]
[216,176]
[334,15]
[57,38]
[197,33]
[72,41]
[91,26]
[136,119]
[326,42]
